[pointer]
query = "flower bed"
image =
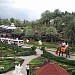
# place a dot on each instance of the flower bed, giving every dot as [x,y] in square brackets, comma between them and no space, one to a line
[8,64]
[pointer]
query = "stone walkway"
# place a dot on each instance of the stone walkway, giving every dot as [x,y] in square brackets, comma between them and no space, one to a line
[27,59]
[72,57]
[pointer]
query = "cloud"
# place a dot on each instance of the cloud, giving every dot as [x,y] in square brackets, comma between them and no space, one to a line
[32,9]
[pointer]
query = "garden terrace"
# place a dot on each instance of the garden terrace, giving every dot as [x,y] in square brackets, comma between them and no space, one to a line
[7,64]
[69,65]
[41,61]
[11,50]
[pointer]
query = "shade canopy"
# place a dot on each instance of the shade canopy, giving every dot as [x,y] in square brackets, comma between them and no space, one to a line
[51,69]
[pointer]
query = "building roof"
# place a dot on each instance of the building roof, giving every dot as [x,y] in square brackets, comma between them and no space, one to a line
[5,27]
[17,39]
[2,26]
[51,69]
[12,26]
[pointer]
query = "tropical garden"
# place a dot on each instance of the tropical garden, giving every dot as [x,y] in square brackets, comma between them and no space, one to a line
[9,56]
[51,28]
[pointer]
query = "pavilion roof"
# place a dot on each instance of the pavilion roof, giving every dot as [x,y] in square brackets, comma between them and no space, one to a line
[51,69]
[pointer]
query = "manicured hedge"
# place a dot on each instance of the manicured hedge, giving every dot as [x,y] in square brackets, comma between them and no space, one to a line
[9,65]
[7,68]
[12,50]
[26,53]
[58,59]
[73,72]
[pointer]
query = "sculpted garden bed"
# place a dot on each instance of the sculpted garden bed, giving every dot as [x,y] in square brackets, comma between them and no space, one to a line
[7,64]
[10,50]
[68,65]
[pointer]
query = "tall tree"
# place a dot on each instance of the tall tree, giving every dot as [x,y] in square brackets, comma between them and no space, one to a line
[51,31]
[70,31]
[28,31]
[17,32]
[6,22]
[12,20]
[46,16]
[57,13]
[57,22]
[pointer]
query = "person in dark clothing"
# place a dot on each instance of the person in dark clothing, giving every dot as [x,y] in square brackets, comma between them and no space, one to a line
[27,69]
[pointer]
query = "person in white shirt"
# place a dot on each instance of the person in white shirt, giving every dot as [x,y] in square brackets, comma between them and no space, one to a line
[27,69]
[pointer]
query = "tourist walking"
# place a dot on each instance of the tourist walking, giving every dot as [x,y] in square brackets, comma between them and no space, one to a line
[27,69]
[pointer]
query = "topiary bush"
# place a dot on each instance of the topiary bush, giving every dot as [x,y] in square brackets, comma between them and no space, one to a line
[58,59]
[12,50]
[33,48]
[26,53]
[42,48]
[9,64]
[73,72]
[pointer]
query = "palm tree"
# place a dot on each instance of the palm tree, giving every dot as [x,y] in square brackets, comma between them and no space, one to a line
[70,32]
[57,22]
[46,16]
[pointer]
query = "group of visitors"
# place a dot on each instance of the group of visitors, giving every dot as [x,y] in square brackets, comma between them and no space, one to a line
[63,48]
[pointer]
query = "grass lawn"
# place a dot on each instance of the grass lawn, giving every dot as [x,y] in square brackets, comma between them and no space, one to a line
[46,44]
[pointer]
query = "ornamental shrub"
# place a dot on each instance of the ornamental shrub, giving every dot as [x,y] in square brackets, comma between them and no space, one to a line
[73,72]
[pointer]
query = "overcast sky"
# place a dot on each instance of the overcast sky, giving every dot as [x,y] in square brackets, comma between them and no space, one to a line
[32,9]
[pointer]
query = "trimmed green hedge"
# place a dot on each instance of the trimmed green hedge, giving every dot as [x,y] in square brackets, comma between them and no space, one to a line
[26,53]
[58,59]
[7,68]
[9,65]
[73,72]
[15,50]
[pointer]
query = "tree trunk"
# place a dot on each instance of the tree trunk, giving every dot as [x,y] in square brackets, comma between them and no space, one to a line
[72,44]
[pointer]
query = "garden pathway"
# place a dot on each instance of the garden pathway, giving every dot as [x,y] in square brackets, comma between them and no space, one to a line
[72,57]
[27,59]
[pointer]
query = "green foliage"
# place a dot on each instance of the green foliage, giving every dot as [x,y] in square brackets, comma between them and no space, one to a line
[15,50]
[33,48]
[18,31]
[36,61]
[42,48]
[51,31]
[73,72]
[9,64]
[37,37]
[28,31]
[26,53]
[59,59]
[51,23]
[7,68]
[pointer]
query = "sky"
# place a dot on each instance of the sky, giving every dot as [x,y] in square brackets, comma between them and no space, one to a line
[32,9]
